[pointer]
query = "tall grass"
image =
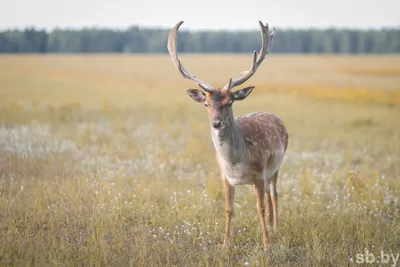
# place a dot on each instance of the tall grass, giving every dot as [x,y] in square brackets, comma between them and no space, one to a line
[106,161]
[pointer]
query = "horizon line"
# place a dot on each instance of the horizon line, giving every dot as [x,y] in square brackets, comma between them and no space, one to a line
[205,29]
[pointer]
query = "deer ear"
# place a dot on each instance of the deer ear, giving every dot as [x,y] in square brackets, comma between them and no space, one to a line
[242,93]
[196,95]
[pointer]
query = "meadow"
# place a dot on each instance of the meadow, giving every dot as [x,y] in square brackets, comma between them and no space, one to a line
[105,161]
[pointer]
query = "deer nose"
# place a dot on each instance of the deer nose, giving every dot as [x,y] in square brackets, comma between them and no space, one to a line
[216,124]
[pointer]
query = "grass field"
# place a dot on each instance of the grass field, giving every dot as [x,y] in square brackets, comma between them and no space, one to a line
[105,161]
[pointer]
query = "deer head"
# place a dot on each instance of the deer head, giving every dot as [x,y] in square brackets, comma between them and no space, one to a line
[218,101]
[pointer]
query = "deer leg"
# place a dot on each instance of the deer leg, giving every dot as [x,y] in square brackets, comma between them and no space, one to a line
[260,191]
[270,212]
[274,198]
[229,197]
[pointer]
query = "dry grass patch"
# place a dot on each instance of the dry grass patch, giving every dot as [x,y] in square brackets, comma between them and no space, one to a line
[104,160]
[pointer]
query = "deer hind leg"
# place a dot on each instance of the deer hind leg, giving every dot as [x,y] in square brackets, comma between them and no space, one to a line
[270,212]
[229,198]
[274,198]
[260,191]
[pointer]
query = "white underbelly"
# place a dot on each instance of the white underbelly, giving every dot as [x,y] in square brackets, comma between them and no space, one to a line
[240,180]
[241,174]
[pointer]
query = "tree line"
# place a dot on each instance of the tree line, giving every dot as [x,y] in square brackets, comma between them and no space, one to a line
[146,40]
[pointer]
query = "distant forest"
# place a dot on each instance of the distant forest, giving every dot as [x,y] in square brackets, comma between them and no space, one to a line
[145,40]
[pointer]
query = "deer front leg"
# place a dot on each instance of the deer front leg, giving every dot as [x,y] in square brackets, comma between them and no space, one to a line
[260,190]
[229,197]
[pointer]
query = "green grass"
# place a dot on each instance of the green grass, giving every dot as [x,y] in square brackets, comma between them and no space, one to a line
[134,182]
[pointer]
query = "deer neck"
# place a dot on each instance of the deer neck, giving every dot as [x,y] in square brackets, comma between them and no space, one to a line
[229,142]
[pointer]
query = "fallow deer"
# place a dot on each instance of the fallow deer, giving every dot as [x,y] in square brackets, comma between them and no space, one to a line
[249,149]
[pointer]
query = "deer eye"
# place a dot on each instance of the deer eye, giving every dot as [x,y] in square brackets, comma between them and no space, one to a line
[206,105]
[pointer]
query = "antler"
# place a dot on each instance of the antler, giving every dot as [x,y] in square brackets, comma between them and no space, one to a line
[174,56]
[267,37]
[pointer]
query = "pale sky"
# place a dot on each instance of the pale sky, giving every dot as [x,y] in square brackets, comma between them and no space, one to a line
[205,14]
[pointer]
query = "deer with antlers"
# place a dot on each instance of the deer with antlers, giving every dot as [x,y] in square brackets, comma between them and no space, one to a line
[249,149]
